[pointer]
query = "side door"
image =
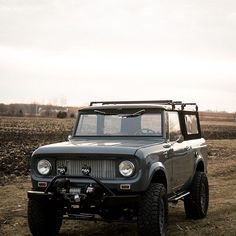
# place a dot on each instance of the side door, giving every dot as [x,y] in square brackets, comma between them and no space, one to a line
[180,153]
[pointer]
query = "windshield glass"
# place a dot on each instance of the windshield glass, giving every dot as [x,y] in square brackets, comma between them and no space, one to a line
[138,123]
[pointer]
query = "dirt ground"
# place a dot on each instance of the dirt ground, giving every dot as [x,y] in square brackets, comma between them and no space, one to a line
[17,139]
[221,219]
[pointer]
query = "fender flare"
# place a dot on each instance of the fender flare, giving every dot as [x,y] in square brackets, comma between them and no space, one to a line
[199,159]
[157,166]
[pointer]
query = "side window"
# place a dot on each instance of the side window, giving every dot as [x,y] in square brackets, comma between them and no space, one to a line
[174,126]
[191,124]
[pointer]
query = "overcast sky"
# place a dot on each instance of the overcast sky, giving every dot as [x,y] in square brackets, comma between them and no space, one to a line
[73,51]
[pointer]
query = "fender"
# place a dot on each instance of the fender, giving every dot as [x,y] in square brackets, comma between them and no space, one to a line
[199,159]
[158,166]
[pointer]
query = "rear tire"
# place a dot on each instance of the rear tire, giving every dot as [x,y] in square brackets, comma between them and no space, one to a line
[196,203]
[44,218]
[153,211]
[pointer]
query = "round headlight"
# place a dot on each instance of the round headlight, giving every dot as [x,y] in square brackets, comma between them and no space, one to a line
[44,167]
[126,168]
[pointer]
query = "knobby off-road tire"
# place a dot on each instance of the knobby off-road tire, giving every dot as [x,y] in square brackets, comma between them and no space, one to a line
[153,211]
[196,203]
[44,218]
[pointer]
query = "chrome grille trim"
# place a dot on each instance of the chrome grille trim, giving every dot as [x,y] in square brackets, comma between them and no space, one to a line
[102,169]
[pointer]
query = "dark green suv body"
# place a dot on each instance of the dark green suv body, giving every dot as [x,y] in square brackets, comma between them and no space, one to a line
[123,161]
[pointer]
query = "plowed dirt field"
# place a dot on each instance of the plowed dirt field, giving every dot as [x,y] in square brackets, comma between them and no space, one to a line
[20,136]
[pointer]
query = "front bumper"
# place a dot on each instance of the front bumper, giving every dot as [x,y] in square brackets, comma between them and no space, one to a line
[108,198]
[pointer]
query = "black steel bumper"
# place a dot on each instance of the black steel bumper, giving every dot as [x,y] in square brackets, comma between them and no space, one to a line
[109,198]
[50,186]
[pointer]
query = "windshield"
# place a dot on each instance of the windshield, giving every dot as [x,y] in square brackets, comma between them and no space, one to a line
[137,123]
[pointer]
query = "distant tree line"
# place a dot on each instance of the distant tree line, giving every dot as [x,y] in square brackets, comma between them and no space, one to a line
[217,116]
[34,109]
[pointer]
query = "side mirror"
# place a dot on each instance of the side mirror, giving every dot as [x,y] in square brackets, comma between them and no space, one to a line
[69,137]
[180,139]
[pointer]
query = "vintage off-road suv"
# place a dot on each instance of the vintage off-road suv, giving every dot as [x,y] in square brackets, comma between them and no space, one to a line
[124,161]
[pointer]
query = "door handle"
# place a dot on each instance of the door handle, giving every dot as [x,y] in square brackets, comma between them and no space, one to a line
[188,148]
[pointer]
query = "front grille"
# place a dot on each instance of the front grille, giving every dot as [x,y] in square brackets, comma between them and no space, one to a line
[102,169]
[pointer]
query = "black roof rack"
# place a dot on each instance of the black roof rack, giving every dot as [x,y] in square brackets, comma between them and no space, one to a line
[171,103]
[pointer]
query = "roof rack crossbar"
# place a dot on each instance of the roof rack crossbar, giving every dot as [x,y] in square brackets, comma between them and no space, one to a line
[189,104]
[162,102]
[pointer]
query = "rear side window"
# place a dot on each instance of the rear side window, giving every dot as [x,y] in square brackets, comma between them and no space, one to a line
[191,124]
[174,126]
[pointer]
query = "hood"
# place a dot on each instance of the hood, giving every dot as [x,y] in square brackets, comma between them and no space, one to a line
[89,146]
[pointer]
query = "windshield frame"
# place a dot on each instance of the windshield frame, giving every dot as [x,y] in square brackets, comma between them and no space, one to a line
[127,111]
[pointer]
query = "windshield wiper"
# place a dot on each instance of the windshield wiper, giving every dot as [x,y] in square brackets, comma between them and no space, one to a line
[138,113]
[104,113]
[100,112]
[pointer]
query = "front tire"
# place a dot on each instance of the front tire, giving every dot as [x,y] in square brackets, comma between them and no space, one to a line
[196,203]
[44,218]
[153,211]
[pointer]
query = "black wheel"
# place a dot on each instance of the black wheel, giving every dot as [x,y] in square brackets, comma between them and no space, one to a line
[44,218]
[196,203]
[153,211]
